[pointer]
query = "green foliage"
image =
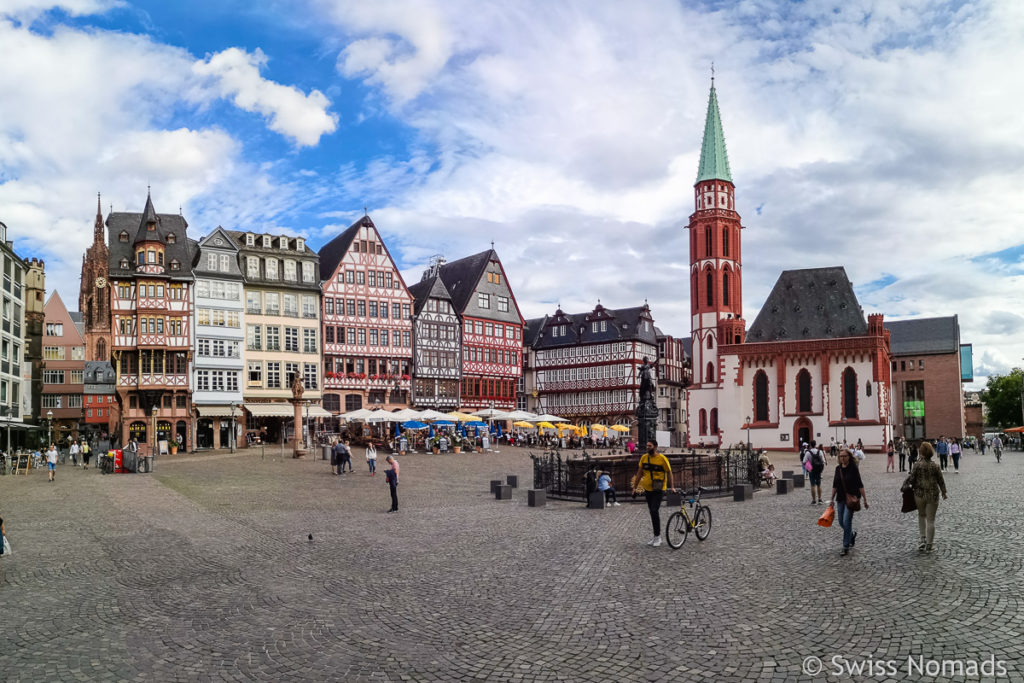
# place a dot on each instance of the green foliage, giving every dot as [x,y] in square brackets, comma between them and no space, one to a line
[1003,400]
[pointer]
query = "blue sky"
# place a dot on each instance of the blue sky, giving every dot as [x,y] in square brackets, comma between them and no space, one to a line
[879,136]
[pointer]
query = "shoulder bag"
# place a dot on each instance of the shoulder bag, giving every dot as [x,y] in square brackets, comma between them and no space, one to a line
[852,499]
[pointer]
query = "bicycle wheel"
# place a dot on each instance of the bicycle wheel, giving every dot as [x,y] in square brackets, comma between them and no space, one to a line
[702,523]
[676,529]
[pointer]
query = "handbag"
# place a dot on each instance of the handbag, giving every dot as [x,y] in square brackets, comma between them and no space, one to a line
[909,501]
[852,502]
[828,516]
[807,465]
[7,546]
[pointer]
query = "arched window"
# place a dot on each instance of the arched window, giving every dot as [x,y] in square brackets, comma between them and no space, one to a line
[703,422]
[101,350]
[709,282]
[714,420]
[709,373]
[694,295]
[803,391]
[725,241]
[725,288]
[711,342]
[707,241]
[849,394]
[761,396]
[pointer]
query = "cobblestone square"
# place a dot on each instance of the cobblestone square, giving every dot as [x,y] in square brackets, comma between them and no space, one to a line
[203,570]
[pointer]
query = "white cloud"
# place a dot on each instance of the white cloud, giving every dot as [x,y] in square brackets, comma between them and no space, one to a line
[29,10]
[236,73]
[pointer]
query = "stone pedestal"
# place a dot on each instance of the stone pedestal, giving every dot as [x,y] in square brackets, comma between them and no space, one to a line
[536,498]
[742,492]
[495,483]
[596,500]
[798,481]
[512,480]
[783,486]
[503,492]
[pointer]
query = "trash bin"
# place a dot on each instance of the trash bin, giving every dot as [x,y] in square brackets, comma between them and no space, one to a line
[325,453]
[148,464]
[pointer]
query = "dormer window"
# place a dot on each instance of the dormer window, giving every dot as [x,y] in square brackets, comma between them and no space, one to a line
[284,243]
[175,264]
[124,264]
[171,239]
[250,240]
[300,244]
[123,237]
[151,256]
[151,227]
[266,241]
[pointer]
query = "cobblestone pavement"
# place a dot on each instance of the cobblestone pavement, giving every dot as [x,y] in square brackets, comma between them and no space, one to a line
[203,571]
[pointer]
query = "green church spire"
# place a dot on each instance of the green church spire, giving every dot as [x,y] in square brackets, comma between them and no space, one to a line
[714,162]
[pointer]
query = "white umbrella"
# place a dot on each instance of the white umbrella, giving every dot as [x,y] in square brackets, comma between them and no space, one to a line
[491,413]
[547,417]
[377,416]
[404,415]
[431,414]
[520,415]
[358,415]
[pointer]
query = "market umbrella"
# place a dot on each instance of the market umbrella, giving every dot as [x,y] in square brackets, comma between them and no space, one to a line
[404,415]
[520,415]
[619,428]
[461,417]
[443,423]
[546,425]
[360,414]
[377,416]
[414,424]
[547,417]
[398,430]
[522,424]
[598,428]
[490,413]
[432,414]
[497,429]
[476,423]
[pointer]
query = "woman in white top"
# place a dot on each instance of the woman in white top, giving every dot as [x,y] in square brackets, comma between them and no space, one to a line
[371,458]
[51,460]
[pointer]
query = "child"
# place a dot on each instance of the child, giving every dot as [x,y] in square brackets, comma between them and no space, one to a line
[604,483]
[769,474]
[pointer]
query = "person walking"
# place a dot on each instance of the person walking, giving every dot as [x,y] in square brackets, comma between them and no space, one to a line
[912,456]
[954,452]
[653,476]
[890,464]
[75,450]
[942,448]
[391,476]
[816,458]
[371,458]
[338,456]
[927,482]
[51,461]
[346,457]
[4,546]
[903,455]
[847,495]
[87,453]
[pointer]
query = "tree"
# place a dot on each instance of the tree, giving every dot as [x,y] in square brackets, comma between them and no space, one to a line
[1002,398]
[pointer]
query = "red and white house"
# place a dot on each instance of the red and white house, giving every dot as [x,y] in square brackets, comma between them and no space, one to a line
[809,367]
[366,314]
[492,330]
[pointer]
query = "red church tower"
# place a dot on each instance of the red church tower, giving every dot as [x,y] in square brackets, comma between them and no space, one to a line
[716,307]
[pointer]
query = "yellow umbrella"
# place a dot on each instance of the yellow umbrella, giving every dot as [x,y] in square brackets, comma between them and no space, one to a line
[620,428]
[522,424]
[581,430]
[598,428]
[546,425]
[462,417]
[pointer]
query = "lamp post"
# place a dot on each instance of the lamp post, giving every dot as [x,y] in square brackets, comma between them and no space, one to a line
[844,429]
[231,436]
[748,435]
[309,445]
[49,427]
[154,412]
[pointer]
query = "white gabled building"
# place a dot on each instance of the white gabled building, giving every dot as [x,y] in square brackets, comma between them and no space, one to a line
[220,337]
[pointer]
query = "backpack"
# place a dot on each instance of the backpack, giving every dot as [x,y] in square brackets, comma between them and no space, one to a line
[817,459]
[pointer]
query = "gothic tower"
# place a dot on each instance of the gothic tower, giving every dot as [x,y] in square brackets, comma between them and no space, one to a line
[94,294]
[716,311]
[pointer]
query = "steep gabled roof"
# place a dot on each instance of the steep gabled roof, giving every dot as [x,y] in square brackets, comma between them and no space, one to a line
[924,336]
[532,330]
[620,324]
[714,162]
[432,287]
[181,249]
[462,276]
[812,303]
[332,252]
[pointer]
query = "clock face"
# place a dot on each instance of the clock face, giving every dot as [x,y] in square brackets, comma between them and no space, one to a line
[101,282]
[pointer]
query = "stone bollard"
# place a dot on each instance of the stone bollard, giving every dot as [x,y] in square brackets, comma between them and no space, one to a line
[596,500]
[536,498]
[787,474]
[798,481]
[742,492]
[512,480]
[495,483]
[783,486]
[504,492]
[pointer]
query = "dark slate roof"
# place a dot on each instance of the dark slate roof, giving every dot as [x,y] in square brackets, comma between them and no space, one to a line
[688,347]
[182,249]
[462,276]
[532,330]
[924,335]
[622,324]
[812,303]
[332,252]
[76,316]
[425,289]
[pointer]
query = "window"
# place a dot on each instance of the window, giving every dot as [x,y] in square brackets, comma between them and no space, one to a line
[308,306]
[494,278]
[252,267]
[372,278]
[273,301]
[308,341]
[300,244]
[250,240]
[396,311]
[709,373]
[725,241]
[483,300]
[266,242]
[362,336]
[406,312]
[761,396]
[309,375]
[714,420]
[350,276]
[211,262]
[329,334]
[361,307]
[202,380]
[307,271]
[849,394]
[175,264]
[273,375]
[225,263]
[53,352]
[291,339]
[291,305]
[54,329]
[803,391]
[710,285]
[51,400]
[383,337]
[291,371]
[252,302]
[373,309]
[270,266]
[255,373]
[273,338]
[53,377]
[283,243]
[703,422]
[725,288]
[123,237]
[373,338]
[289,270]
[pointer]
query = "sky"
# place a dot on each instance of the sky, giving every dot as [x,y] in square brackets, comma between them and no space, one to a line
[883,137]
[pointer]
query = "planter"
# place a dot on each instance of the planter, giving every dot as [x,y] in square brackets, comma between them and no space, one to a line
[457,449]
[174,450]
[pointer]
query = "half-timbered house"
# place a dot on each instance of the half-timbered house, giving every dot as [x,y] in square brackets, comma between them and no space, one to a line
[367,323]
[150,269]
[492,330]
[437,345]
[586,365]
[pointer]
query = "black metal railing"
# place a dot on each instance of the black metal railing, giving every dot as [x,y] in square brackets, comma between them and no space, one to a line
[565,475]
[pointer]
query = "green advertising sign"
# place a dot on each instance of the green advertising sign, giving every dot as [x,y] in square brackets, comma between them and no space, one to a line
[913,408]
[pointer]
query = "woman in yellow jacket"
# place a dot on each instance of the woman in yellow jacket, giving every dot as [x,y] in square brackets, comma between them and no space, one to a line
[653,477]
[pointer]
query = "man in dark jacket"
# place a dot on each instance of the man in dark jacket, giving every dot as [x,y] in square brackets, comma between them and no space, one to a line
[338,456]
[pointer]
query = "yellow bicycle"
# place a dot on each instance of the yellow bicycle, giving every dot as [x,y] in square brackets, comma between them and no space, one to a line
[678,526]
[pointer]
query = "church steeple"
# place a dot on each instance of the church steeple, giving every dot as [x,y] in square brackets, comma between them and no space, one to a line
[97,228]
[714,161]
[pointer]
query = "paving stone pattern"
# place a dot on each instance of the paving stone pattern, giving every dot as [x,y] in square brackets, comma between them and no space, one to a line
[203,571]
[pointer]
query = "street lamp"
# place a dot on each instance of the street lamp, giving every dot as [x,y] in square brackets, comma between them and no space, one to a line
[748,435]
[844,430]
[49,427]
[154,411]
[231,436]
[309,445]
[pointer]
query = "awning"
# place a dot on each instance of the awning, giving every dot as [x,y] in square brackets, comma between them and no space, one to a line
[271,409]
[318,411]
[218,411]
